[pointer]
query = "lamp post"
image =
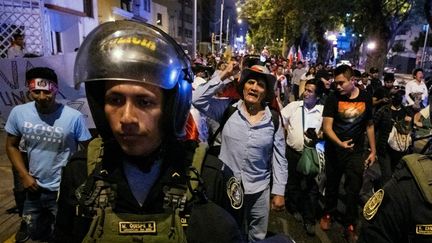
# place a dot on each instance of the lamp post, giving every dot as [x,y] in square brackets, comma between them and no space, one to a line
[194,36]
[221,25]
[227,32]
[424,47]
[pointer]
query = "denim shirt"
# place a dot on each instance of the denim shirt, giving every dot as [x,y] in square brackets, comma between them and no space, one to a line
[253,152]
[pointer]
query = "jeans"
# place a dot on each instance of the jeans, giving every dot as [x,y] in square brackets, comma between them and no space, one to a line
[352,165]
[256,215]
[40,210]
[19,191]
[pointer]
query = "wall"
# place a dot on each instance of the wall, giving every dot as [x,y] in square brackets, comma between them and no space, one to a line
[157,8]
[77,5]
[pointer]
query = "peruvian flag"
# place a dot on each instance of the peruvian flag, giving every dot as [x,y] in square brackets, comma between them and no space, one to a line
[291,56]
[299,54]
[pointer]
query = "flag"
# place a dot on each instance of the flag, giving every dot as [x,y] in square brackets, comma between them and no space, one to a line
[299,54]
[291,56]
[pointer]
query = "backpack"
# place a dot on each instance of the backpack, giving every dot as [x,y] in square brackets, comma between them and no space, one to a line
[400,136]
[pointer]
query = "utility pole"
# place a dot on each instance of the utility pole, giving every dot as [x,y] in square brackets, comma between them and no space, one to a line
[424,47]
[227,32]
[194,35]
[221,25]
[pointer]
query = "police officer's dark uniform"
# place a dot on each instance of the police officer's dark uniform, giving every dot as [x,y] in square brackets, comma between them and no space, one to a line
[402,210]
[96,202]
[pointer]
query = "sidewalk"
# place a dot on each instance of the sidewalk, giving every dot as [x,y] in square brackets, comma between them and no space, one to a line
[9,223]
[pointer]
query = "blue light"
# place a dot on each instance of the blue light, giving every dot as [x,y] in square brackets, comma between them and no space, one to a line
[173,76]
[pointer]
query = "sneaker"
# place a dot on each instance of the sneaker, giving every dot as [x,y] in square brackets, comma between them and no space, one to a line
[350,234]
[325,222]
[310,229]
[298,217]
[22,235]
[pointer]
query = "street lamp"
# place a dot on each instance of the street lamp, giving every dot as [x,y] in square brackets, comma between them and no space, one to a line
[371,45]
[221,25]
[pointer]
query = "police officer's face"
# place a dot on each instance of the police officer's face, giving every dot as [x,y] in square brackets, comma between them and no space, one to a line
[133,111]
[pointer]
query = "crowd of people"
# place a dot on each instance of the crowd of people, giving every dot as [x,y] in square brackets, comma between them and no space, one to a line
[146,175]
[365,122]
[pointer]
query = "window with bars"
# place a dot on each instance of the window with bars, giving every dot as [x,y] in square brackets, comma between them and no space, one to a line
[24,17]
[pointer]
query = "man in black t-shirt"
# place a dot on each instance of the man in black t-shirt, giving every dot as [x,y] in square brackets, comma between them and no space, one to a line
[347,116]
[381,96]
[375,82]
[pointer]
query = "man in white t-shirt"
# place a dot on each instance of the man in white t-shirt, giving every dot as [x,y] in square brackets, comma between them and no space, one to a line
[296,76]
[416,92]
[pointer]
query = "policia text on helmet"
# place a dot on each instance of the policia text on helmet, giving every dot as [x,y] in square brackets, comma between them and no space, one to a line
[137,52]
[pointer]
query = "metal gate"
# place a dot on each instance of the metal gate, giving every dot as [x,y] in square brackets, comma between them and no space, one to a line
[26,17]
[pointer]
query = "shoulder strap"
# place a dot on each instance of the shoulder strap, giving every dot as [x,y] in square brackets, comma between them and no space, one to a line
[94,154]
[195,181]
[94,193]
[230,110]
[421,169]
[226,115]
[275,119]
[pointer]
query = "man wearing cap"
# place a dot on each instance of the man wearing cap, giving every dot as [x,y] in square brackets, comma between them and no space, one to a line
[326,78]
[252,147]
[51,133]
[384,120]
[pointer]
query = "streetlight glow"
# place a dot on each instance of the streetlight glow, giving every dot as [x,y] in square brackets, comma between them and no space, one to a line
[239,21]
[238,9]
[371,45]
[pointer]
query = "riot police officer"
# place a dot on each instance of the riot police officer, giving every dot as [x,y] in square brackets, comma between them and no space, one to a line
[133,183]
[402,210]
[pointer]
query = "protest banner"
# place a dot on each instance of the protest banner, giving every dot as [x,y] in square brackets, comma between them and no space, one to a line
[13,89]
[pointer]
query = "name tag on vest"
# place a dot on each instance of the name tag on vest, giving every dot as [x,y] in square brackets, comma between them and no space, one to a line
[424,229]
[147,227]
